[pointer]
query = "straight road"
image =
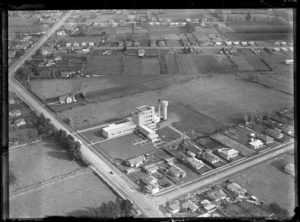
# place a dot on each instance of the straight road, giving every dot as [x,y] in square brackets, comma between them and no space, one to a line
[37,45]
[214,177]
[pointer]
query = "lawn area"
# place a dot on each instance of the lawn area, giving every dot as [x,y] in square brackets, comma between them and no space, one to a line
[270,184]
[19,24]
[167,134]
[61,198]
[38,162]
[51,88]
[118,147]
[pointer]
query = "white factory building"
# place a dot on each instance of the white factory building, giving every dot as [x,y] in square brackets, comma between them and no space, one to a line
[144,119]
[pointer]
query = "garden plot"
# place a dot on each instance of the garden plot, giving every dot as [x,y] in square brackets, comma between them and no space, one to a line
[209,143]
[208,64]
[243,150]
[132,65]
[186,64]
[242,64]
[104,65]
[150,67]
[255,61]
[173,43]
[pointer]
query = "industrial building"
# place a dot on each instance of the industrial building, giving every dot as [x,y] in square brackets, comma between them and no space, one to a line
[144,119]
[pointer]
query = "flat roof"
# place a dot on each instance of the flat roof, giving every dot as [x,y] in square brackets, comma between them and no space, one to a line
[120,125]
[144,108]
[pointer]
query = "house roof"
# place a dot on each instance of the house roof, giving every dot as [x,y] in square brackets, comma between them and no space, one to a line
[175,169]
[151,167]
[174,205]
[209,156]
[189,204]
[274,133]
[236,188]
[263,136]
[227,151]
[136,159]
[218,194]
[256,143]
[195,163]
[290,166]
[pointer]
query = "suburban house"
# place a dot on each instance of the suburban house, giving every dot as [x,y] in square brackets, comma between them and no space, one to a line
[217,195]
[85,50]
[265,138]
[173,206]
[136,162]
[208,206]
[15,112]
[91,44]
[189,205]
[65,74]
[288,129]
[11,100]
[151,168]
[75,44]
[235,188]
[177,171]
[256,144]
[67,99]
[68,44]
[47,50]
[11,54]
[165,156]
[209,156]
[290,168]
[83,44]
[20,122]
[152,188]
[191,154]
[228,153]
[274,133]
[197,164]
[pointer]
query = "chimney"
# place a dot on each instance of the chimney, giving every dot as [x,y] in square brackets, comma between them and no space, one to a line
[159,109]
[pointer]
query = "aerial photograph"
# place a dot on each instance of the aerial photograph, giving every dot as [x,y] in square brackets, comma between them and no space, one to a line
[151,113]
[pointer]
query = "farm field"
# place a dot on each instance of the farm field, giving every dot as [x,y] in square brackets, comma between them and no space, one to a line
[24,25]
[223,99]
[160,30]
[208,64]
[242,64]
[38,162]
[243,150]
[264,27]
[132,65]
[180,64]
[82,190]
[51,88]
[234,36]
[220,97]
[265,180]
[255,61]
[193,120]
[104,65]
[112,147]
[150,67]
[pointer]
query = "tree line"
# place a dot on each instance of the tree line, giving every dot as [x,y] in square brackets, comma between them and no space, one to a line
[48,130]
[119,208]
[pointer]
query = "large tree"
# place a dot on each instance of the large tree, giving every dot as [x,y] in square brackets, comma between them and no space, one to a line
[248,17]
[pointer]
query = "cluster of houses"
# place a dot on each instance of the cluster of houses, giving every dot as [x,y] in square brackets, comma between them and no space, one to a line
[213,201]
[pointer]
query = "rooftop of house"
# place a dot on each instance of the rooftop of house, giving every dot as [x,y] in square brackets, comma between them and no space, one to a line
[136,159]
[236,188]
[256,143]
[218,194]
[290,166]
[209,156]
[227,151]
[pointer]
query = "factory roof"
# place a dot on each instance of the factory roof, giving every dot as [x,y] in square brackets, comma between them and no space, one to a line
[144,108]
[120,125]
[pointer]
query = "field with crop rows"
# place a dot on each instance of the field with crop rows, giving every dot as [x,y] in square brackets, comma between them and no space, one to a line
[242,64]
[104,65]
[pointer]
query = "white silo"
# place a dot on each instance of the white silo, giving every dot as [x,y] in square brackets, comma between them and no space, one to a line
[165,109]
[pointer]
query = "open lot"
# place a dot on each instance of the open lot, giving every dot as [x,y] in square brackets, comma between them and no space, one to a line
[38,162]
[82,191]
[117,148]
[167,134]
[51,88]
[27,25]
[265,180]
[255,61]
[233,36]
[208,64]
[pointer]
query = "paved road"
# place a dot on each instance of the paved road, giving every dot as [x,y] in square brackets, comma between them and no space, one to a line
[147,205]
[37,45]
